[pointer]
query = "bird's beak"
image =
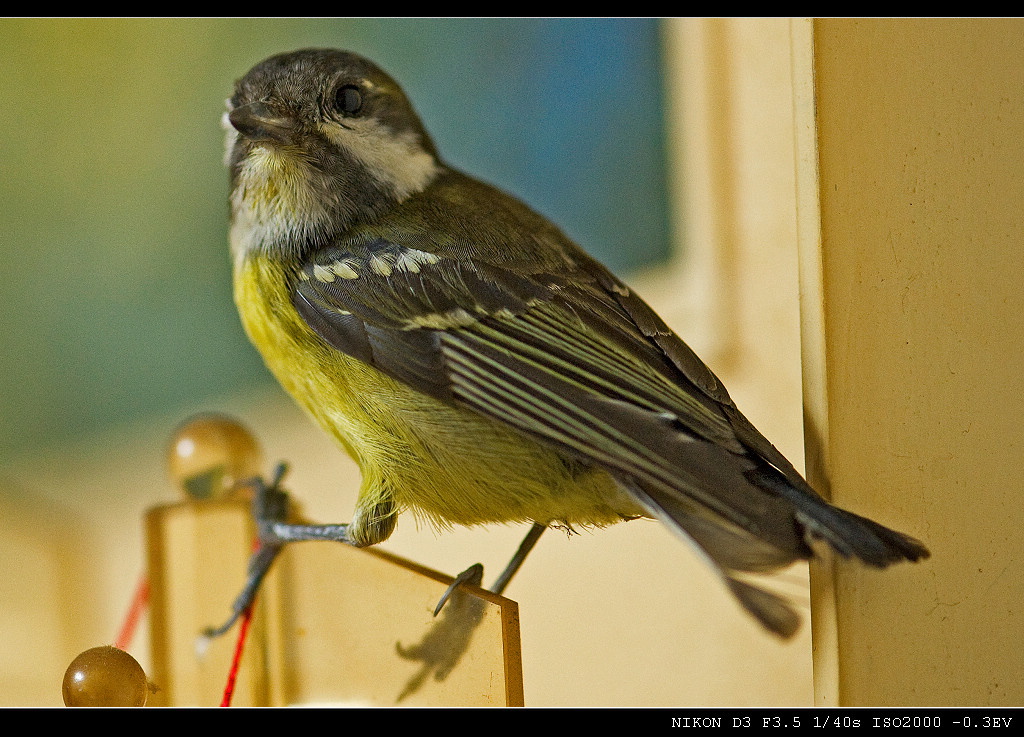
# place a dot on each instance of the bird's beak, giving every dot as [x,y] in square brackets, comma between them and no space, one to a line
[259,123]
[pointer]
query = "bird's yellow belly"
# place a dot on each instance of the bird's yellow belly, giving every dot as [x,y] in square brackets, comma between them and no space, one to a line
[450,465]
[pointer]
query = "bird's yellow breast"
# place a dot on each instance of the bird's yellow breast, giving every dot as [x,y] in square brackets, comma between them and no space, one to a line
[449,464]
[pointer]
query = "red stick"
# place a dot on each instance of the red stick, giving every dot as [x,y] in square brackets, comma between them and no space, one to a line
[134,614]
[243,630]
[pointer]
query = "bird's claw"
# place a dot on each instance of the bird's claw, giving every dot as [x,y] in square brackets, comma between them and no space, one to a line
[473,575]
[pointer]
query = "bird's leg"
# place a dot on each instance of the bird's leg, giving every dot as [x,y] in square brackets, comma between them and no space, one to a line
[475,573]
[519,558]
[270,508]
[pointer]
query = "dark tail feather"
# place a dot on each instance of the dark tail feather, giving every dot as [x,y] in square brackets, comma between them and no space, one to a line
[731,550]
[770,609]
[849,534]
[728,550]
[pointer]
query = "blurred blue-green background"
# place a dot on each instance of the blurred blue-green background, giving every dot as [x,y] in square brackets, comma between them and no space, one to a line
[115,300]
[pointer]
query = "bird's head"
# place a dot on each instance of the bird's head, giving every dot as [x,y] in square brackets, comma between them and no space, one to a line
[318,139]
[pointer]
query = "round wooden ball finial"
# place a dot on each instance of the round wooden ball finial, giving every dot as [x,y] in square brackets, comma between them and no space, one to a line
[105,676]
[210,454]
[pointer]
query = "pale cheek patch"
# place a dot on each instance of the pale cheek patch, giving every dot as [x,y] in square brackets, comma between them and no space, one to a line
[398,162]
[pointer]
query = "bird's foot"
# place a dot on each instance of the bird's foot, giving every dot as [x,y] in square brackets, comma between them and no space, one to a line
[473,575]
[269,507]
[271,510]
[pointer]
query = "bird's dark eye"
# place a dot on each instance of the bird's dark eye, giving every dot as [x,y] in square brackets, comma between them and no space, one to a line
[348,100]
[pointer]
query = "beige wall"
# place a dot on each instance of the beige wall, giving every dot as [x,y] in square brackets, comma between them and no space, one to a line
[919,131]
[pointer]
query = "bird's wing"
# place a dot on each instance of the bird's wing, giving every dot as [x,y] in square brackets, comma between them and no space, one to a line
[576,360]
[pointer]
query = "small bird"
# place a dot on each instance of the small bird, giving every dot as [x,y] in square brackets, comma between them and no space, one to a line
[477,364]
